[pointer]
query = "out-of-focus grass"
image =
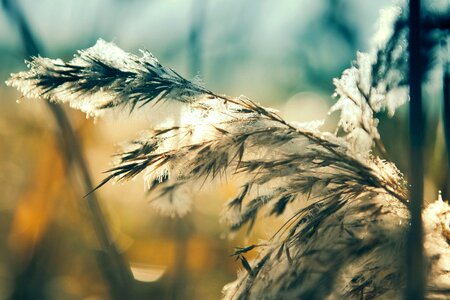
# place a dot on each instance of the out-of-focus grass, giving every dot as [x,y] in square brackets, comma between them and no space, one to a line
[48,233]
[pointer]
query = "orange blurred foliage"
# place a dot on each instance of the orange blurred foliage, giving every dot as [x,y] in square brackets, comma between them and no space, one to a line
[35,207]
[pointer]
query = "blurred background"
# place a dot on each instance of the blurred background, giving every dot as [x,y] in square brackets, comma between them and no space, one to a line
[282,54]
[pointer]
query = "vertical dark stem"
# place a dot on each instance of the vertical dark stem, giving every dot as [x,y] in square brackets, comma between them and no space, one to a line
[415,277]
[111,263]
[446,114]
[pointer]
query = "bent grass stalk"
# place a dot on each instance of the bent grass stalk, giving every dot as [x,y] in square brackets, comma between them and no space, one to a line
[115,270]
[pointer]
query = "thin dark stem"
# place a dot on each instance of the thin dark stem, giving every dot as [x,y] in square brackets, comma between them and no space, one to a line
[446,113]
[112,264]
[415,278]
[378,142]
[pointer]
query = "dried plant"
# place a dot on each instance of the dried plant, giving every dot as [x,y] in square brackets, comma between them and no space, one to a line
[378,80]
[346,237]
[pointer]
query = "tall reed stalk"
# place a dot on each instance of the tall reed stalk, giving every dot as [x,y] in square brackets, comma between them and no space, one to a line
[415,275]
[112,264]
